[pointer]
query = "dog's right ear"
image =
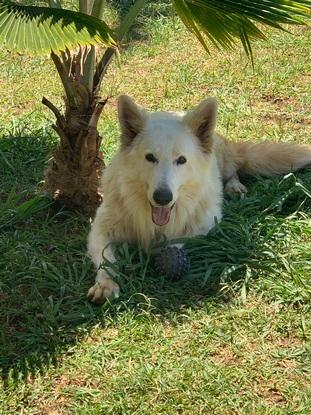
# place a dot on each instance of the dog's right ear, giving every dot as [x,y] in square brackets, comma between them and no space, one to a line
[131,118]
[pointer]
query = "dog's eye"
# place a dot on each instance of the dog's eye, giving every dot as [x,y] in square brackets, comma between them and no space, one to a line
[150,157]
[181,160]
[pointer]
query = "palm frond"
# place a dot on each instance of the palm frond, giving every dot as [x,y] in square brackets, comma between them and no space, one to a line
[223,22]
[42,29]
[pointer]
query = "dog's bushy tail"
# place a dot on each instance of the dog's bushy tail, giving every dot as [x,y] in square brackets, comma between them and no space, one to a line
[270,158]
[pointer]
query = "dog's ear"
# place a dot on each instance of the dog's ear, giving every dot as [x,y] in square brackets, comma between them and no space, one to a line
[131,118]
[202,122]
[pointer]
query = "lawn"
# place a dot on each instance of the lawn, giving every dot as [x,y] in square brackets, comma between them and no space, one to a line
[233,337]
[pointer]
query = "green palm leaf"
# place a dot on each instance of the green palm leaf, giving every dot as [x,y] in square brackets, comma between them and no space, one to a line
[42,29]
[225,21]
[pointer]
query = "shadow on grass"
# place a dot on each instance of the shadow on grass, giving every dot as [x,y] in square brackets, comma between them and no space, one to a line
[45,273]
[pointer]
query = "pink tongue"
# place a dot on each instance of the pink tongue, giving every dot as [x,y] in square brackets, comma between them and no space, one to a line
[160,215]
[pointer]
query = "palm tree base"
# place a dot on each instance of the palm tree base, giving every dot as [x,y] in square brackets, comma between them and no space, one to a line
[73,177]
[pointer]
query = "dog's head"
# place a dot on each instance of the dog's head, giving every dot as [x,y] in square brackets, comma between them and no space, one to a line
[168,152]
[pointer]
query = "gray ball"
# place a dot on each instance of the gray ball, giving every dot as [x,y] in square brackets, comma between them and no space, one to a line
[172,262]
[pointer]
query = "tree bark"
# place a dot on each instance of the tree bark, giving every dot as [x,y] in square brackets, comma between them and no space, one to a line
[73,176]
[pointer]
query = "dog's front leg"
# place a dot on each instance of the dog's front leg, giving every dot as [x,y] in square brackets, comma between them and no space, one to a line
[104,286]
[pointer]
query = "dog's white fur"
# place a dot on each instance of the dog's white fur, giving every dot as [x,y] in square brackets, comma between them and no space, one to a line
[196,186]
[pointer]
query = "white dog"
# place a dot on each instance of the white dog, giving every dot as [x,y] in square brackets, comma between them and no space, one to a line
[167,178]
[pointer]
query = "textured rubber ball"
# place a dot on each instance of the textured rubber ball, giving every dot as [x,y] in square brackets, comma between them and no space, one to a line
[172,262]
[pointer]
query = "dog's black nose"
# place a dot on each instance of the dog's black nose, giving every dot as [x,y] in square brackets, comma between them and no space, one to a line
[163,196]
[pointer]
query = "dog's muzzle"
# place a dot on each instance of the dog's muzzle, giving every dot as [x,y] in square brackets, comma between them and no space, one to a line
[161,213]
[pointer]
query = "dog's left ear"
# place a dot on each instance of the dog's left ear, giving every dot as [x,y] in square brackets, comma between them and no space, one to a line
[132,119]
[202,122]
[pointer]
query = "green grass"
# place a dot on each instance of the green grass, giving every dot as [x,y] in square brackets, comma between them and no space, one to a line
[233,337]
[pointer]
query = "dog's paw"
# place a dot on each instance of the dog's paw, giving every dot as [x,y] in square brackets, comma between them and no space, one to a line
[102,290]
[235,186]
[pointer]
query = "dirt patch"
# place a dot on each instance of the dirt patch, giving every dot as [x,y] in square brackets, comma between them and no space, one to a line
[272,396]
[280,119]
[225,356]
[276,100]
[53,411]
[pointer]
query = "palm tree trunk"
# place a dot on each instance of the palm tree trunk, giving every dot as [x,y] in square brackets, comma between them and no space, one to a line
[74,173]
